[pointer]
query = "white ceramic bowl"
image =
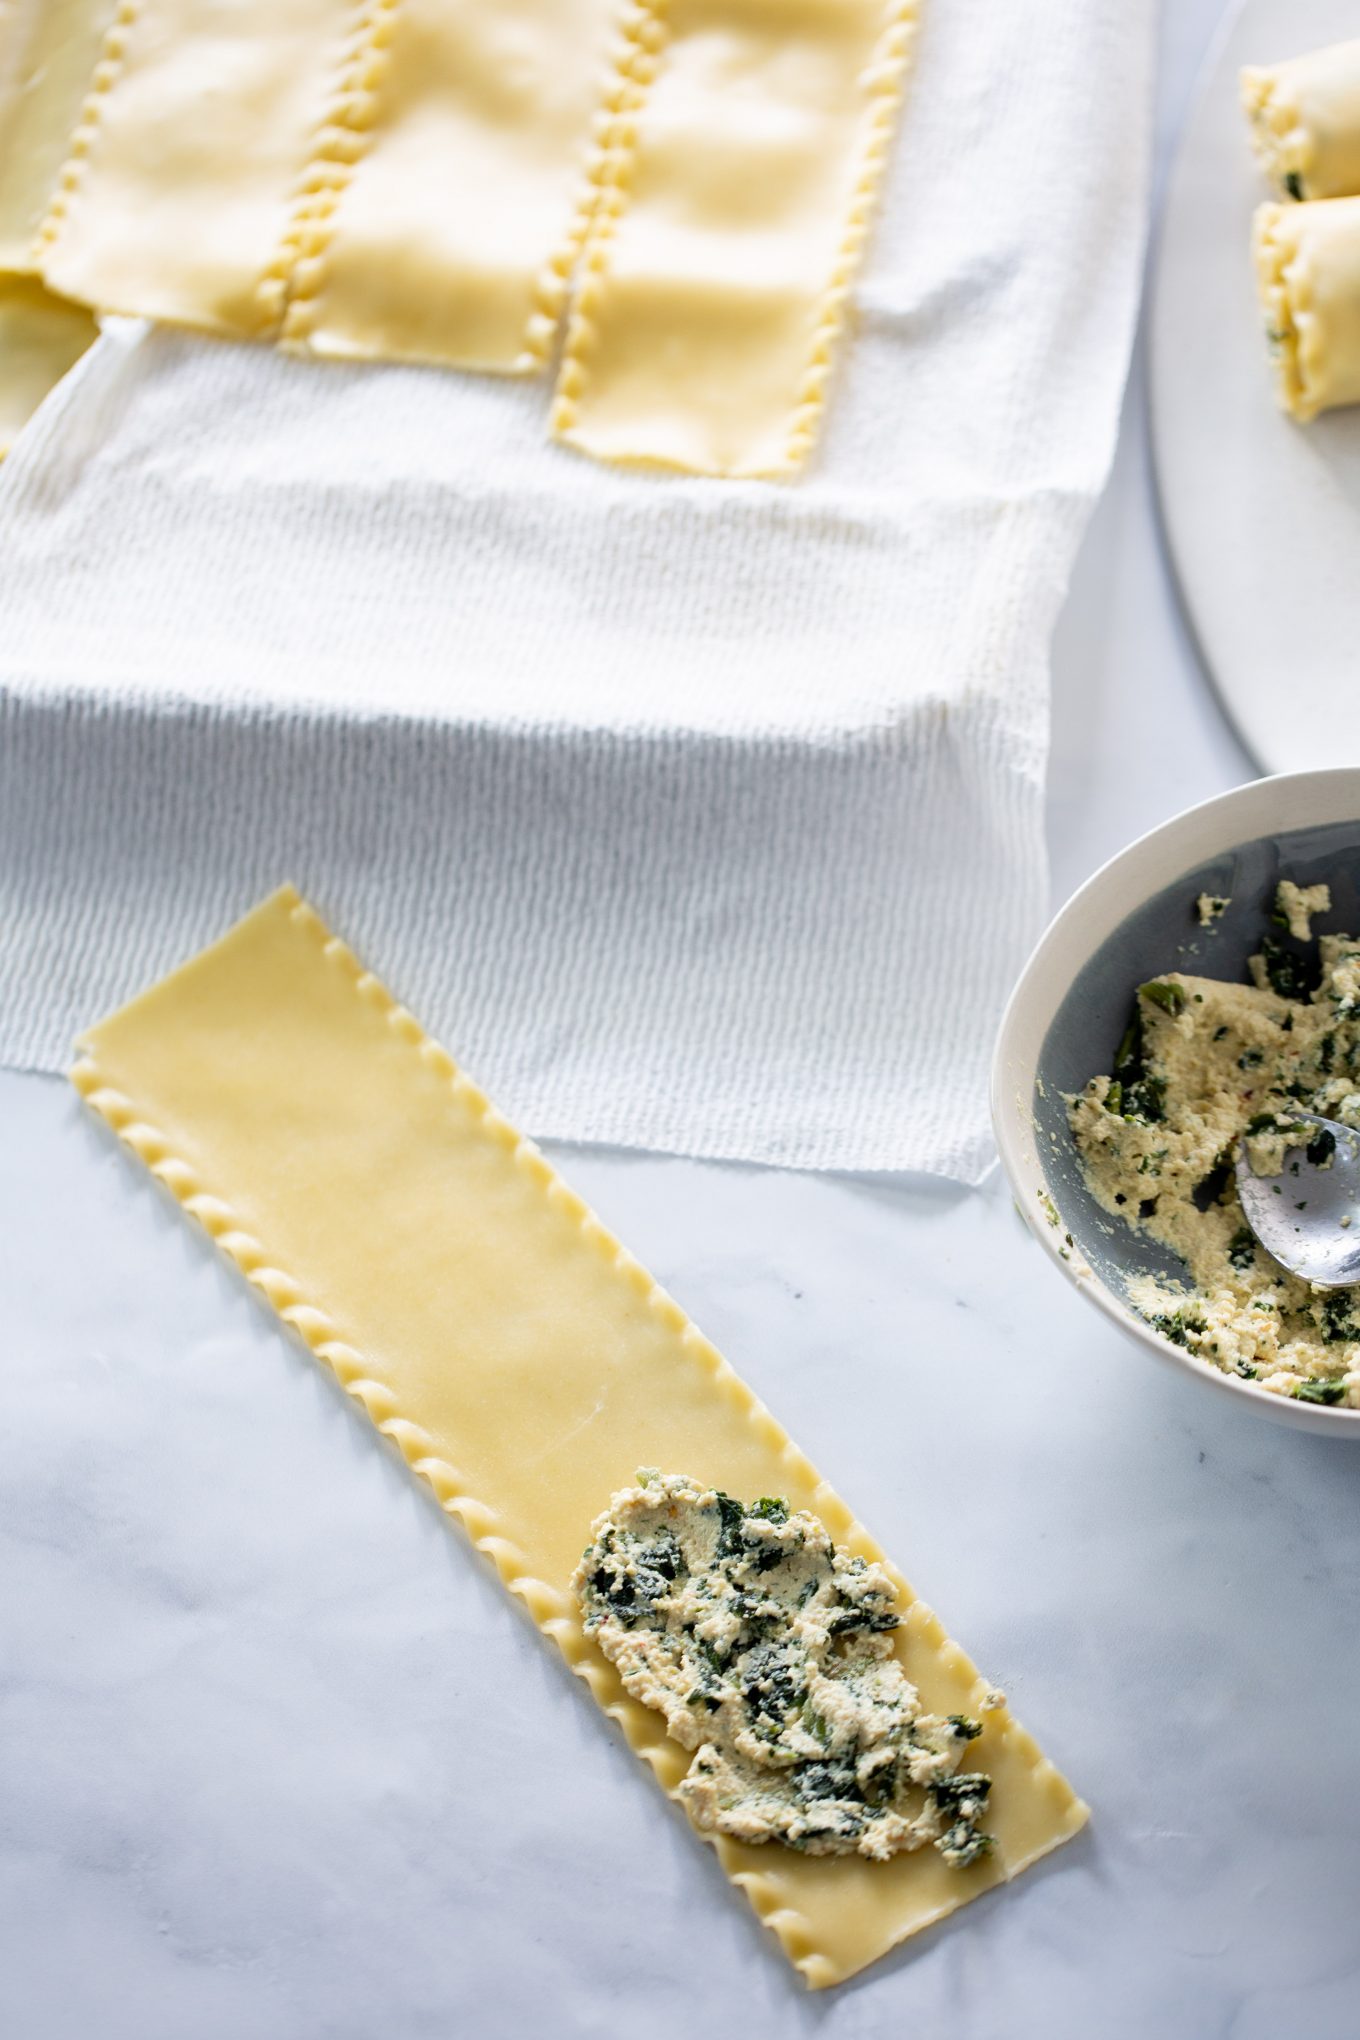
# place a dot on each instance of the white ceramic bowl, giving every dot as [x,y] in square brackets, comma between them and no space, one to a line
[1132,921]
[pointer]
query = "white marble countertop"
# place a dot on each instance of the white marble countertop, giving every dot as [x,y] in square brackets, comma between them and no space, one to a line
[259,1777]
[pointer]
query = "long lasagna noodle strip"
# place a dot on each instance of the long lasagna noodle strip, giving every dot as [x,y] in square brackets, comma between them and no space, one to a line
[718,269]
[48,53]
[522,1362]
[187,169]
[451,237]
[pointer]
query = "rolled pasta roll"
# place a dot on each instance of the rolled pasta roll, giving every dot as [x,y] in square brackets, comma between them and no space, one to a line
[1307,261]
[1305,122]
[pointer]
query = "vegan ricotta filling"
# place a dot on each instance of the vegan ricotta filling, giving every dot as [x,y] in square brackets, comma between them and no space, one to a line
[1203,1066]
[770,1655]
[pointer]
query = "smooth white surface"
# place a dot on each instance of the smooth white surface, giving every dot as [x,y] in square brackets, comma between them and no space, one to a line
[1263,808]
[259,1779]
[278,1759]
[649,794]
[1263,515]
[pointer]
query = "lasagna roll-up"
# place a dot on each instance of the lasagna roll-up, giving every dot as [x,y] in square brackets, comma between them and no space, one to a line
[1308,274]
[1305,122]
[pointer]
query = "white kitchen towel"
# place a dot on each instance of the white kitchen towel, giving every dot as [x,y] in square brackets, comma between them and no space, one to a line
[692,815]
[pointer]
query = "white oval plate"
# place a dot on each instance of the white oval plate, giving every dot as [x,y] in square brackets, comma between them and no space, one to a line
[1262,516]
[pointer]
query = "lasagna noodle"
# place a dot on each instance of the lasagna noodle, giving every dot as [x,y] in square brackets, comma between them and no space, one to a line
[194,148]
[451,237]
[517,1356]
[718,267]
[1305,122]
[48,53]
[41,336]
[1307,261]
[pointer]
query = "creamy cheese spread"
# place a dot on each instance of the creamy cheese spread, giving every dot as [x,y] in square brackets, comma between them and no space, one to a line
[769,1654]
[1202,1066]
[1211,907]
[1295,906]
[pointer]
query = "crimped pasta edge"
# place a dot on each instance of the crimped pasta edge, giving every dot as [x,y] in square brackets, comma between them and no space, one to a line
[106,73]
[642,40]
[625,78]
[1285,299]
[293,283]
[886,89]
[1281,140]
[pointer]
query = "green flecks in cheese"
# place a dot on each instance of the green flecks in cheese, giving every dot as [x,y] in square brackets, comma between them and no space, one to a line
[769,1654]
[1202,1066]
[1211,907]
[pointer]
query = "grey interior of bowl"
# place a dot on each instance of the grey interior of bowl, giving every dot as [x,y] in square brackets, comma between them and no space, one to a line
[1165,935]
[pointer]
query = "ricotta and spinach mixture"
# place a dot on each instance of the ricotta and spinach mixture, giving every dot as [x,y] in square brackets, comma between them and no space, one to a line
[769,1653]
[1203,1065]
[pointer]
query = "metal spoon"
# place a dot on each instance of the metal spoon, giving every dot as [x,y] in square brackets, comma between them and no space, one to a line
[1304,1216]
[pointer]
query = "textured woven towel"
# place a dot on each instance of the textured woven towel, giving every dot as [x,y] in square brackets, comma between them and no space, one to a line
[692,815]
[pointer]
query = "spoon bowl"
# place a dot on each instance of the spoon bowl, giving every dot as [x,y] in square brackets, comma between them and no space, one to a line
[1308,1217]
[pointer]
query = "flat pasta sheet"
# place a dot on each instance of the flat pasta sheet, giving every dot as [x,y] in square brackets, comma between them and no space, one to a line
[520,1359]
[739,195]
[192,157]
[48,53]
[458,200]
